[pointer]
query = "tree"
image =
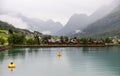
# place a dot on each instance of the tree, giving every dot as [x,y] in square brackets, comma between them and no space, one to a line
[2,40]
[37,39]
[61,39]
[66,38]
[75,37]
[84,40]
[31,41]
[45,39]
[16,39]
[108,40]
[10,31]
[91,40]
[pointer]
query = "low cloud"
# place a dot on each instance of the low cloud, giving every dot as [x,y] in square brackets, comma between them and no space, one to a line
[78,31]
[16,22]
[46,32]
[58,10]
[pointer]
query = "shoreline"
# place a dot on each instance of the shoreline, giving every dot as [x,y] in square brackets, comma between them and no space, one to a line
[48,46]
[2,48]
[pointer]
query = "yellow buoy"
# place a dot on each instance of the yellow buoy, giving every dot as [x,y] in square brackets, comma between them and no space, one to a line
[11,65]
[59,54]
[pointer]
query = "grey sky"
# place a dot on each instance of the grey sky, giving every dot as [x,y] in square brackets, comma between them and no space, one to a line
[58,10]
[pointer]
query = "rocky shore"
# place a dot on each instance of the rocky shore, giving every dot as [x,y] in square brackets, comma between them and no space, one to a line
[2,48]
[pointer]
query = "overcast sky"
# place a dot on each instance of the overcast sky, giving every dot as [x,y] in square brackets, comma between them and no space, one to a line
[58,10]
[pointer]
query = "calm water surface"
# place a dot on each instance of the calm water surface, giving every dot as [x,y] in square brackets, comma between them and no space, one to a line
[84,61]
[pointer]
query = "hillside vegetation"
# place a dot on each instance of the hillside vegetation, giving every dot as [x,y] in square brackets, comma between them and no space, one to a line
[6,30]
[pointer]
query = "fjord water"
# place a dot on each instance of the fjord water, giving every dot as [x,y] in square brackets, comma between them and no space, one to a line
[84,61]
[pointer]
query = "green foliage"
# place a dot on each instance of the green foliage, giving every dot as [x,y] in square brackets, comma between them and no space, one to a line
[62,39]
[102,39]
[37,39]
[90,40]
[84,40]
[3,31]
[66,38]
[16,39]
[2,40]
[108,40]
[44,39]
[10,31]
[31,41]
[4,35]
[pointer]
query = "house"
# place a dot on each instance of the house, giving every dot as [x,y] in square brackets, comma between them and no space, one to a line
[116,40]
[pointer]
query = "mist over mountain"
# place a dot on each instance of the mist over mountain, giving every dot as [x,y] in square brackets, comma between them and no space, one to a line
[81,21]
[103,11]
[42,26]
[75,22]
[5,26]
[21,21]
[105,27]
[78,23]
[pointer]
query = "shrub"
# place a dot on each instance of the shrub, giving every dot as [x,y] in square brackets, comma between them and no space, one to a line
[16,39]
[2,40]
[31,41]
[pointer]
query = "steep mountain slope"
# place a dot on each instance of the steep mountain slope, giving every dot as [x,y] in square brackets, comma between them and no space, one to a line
[76,21]
[81,21]
[103,11]
[105,27]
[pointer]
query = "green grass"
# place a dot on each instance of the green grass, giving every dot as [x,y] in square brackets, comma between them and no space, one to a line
[4,35]
[3,31]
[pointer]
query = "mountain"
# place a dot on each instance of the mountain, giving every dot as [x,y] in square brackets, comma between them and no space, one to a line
[81,21]
[33,24]
[105,27]
[76,21]
[40,25]
[6,26]
[103,11]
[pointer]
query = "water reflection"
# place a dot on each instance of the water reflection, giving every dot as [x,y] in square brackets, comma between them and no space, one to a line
[106,58]
[86,61]
[2,56]
[14,53]
[31,50]
[11,69]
